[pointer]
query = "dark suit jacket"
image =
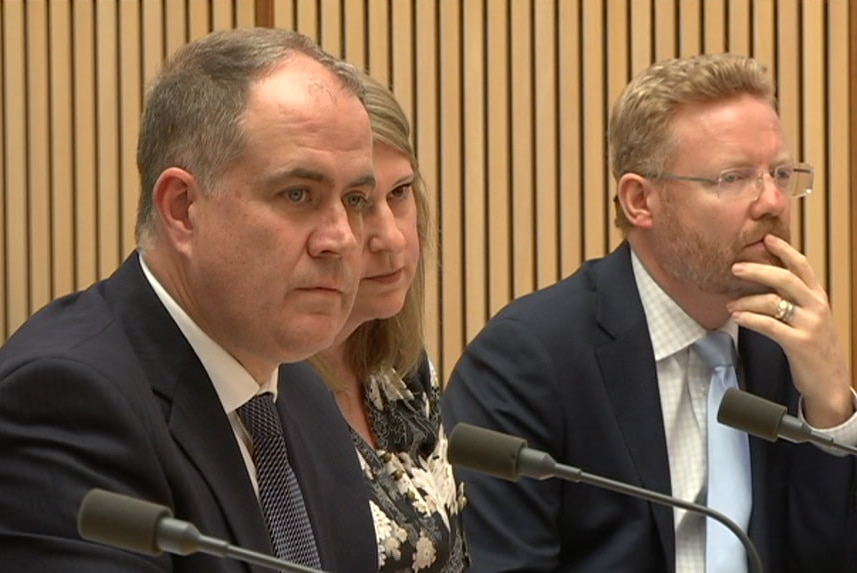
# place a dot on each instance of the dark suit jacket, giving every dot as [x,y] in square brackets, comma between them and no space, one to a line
[101,389]
[571,369]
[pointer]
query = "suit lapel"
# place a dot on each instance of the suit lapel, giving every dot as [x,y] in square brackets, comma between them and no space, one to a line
[627,365]
[764,367]
[191,406]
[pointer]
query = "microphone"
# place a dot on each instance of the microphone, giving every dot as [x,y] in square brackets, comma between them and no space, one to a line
[144,527]
[770,421]
[508,457]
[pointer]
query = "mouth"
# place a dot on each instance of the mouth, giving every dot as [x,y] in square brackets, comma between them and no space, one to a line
[386,277]
[322,289]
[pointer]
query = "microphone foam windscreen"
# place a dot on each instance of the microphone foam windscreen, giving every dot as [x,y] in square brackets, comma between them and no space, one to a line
[751,414]
[485,450]
[121,521]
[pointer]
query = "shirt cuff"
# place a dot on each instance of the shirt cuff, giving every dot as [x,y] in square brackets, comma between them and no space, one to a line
[844,433]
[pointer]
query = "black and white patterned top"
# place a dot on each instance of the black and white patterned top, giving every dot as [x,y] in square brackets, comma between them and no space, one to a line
[416,505]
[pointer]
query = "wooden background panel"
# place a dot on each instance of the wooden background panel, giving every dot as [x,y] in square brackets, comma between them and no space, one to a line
[16,135]
[509,101]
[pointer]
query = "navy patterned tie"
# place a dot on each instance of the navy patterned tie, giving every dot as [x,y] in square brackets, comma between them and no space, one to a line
[279,491]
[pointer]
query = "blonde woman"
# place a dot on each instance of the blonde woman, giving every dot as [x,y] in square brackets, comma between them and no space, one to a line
[383,381]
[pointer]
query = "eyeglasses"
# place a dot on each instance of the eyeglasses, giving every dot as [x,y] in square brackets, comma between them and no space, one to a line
[793,179]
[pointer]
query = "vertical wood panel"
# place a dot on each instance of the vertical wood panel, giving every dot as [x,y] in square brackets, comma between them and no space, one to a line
[571,178]
[38,161]
[641,36]
[306,18]
[284,14]
[222,15]
[61,148]
[595,199]
[355,32]
[545,123]
[84,143]
[130,104]
[14,86]
[764,45]
[665,32]
[839,238]
[4,193]
[426,123]
[379,40]
[402,68]
[852,172]
[472,198]
[175,23]
[617,69]
[331,26]
[690,28]
[814,149]
[498,153]
[245,13]
[739,27]
[523,247]
[198,18]
[452,299]
[788,88]
[714,37]
[107,141]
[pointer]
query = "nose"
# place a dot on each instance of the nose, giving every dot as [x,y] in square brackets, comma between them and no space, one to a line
[381,231]
[336,234]
[770,199]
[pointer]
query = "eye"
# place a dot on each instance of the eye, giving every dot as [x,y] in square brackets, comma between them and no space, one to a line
[356,202]
[783,174]
[401,191]
[735,178]
[297,195]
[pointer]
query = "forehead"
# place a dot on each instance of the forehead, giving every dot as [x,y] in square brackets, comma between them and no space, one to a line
[301,113]
[739,129]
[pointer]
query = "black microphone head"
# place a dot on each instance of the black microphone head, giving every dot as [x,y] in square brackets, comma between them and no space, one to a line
[485,450]
[751,414]
[121,521]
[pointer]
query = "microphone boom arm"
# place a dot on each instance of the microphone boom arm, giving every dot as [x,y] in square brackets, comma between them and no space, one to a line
[540,465]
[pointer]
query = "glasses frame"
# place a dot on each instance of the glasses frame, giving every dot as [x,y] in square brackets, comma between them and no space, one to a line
[758,181]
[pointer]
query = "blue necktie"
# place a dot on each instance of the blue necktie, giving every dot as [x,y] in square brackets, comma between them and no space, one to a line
[729,482]
[279,491]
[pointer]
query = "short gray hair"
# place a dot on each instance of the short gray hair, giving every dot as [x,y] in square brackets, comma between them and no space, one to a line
[193,110]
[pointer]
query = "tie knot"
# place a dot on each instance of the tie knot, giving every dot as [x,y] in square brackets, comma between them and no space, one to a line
[715,349]
[260,417]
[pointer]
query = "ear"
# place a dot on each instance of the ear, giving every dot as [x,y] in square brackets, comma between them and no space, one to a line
[175,193]
[636,194]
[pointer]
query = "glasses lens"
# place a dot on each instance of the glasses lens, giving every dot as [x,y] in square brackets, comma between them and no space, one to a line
[734,181]
[802,180]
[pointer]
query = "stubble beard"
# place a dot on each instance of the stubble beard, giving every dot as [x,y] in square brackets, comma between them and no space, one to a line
[705,263]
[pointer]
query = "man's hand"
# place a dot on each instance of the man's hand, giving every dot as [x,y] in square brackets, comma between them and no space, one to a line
[806,334]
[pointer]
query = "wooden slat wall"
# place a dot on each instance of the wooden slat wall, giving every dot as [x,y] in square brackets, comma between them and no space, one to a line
[509,101]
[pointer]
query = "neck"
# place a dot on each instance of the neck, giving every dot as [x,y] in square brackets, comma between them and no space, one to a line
[706,308]
[349,392]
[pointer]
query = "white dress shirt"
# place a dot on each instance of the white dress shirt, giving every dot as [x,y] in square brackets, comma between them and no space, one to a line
[683,380]
[233,384]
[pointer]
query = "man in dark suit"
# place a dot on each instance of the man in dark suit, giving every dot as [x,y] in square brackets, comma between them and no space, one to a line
[602,369]
[255,155]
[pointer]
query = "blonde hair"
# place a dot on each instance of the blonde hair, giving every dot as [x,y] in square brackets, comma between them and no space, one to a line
[397,342]
[639,131]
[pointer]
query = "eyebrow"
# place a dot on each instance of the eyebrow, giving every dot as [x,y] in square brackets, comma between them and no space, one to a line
[367,180]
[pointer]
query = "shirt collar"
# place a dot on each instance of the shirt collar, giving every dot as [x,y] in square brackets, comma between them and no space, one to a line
[670,327]
[233,384]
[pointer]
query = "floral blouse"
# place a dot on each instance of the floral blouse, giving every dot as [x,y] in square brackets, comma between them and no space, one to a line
[416,505]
